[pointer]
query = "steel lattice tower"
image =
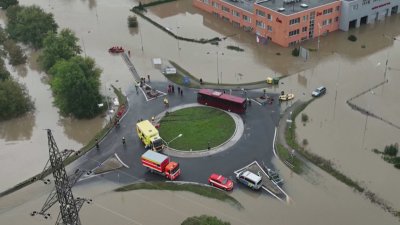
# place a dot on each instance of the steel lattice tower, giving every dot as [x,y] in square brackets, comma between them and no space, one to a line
[69,206]
[68,209]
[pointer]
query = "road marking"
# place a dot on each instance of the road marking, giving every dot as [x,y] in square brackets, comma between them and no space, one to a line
[121,161]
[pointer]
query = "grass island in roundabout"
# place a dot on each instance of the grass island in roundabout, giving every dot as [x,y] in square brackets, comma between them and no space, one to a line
[201,127]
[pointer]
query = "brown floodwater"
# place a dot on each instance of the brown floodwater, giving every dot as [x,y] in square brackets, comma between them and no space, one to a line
[335,131]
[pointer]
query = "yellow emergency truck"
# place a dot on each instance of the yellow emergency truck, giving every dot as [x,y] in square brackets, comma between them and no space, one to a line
[148,134]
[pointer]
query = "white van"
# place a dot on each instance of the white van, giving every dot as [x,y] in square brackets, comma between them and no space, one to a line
[250,179]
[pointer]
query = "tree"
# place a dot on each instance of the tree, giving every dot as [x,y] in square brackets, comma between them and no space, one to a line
[17,57]
[391,150]
[3,35]
[75,84]
[58,46]
[14,99]
[4,4]
[4,74]
[30,24]
[132,21]
[204,220]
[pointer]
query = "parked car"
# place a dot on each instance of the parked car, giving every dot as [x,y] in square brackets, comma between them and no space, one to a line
[250,179]
[220,181]
[319,91]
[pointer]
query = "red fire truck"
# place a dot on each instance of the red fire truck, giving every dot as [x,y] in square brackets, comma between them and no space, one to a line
[161,164]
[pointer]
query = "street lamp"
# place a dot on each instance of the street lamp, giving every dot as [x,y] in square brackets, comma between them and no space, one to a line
[173,139]
[319,34]
[217,53]
[177,39]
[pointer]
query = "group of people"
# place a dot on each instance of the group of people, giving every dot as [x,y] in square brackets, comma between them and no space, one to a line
[171,89]
[116,49]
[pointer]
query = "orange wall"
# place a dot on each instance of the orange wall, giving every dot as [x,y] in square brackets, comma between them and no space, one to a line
[280,30]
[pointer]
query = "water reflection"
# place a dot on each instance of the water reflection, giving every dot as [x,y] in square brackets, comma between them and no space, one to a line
[81,130]
[18,129]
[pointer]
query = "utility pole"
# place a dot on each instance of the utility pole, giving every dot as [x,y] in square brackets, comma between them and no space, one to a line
[69,206]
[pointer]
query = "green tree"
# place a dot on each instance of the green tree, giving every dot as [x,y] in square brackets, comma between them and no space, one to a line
[4,4]
[58,46]
[30,24]
[75,84]
[3,35]
[4,74]
[132,21]
[204,220]
[391,150]
[17,57]
[14,99]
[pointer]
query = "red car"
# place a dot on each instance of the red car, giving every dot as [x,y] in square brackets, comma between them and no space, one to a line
[220,181]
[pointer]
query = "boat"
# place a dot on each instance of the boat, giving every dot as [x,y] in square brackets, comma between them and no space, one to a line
[286,97]
[116,49]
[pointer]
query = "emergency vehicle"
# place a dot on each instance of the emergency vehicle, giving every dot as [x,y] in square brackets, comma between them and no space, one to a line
[161,164]
[148,134]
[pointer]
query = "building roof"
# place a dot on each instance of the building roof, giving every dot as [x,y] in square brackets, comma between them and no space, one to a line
[292,6]
[243,4]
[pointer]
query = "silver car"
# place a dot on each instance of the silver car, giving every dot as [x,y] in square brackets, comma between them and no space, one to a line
[250,179]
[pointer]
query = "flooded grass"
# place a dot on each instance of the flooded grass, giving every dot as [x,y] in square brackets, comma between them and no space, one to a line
[328,166]
[202,190]
[295,164]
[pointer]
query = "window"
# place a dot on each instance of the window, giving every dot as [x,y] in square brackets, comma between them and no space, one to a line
[269,28]
[336,19]
[260,13]
[304,29]
[326,22]
[337,8]
[215,5]
[260,24]
[354,7]
[225,9]
[206,2]
[246,18]
[235,13]
[305,18]
[365,2]
[294,32]
[269,17]
[294,21]
[327,11]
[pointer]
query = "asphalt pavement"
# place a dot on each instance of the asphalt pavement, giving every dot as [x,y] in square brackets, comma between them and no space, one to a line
[254,144]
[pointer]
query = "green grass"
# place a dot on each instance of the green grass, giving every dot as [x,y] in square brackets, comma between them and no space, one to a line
[205,191]
[284,155]
[198,125]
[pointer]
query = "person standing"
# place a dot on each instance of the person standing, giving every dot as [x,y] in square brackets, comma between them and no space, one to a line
[181,92]
[148,78]
[173,89]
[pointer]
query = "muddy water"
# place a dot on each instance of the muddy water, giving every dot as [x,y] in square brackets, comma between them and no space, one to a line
[345,67]
[318,199]
[23,141]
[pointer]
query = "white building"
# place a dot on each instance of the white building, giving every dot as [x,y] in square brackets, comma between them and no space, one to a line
[357,12]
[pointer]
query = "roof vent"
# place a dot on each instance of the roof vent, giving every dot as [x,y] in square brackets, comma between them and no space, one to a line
[281,9]
[303,5]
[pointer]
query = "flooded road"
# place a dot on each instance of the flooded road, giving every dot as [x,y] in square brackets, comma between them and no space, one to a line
[335,132]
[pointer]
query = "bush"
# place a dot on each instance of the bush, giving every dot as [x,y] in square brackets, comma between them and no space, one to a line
[4,4]
[204,220]
[304,118]
[391,150]
[14,99]
[397,166]
[295,52]
[352,38]
[132,21]
[17,57]
[236,48]
[305,142]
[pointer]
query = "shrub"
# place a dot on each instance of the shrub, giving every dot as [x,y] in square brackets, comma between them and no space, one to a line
[397,166]
[204,220]
[352,38]
[391,150]
[304,118]
[132,21]
[295,52]
[4,4]
[305,142]
[236,48]
[17,57]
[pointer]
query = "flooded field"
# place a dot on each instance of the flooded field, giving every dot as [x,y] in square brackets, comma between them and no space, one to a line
[335,132]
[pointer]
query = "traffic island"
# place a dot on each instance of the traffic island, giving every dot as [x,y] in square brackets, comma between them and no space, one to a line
[199,128]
